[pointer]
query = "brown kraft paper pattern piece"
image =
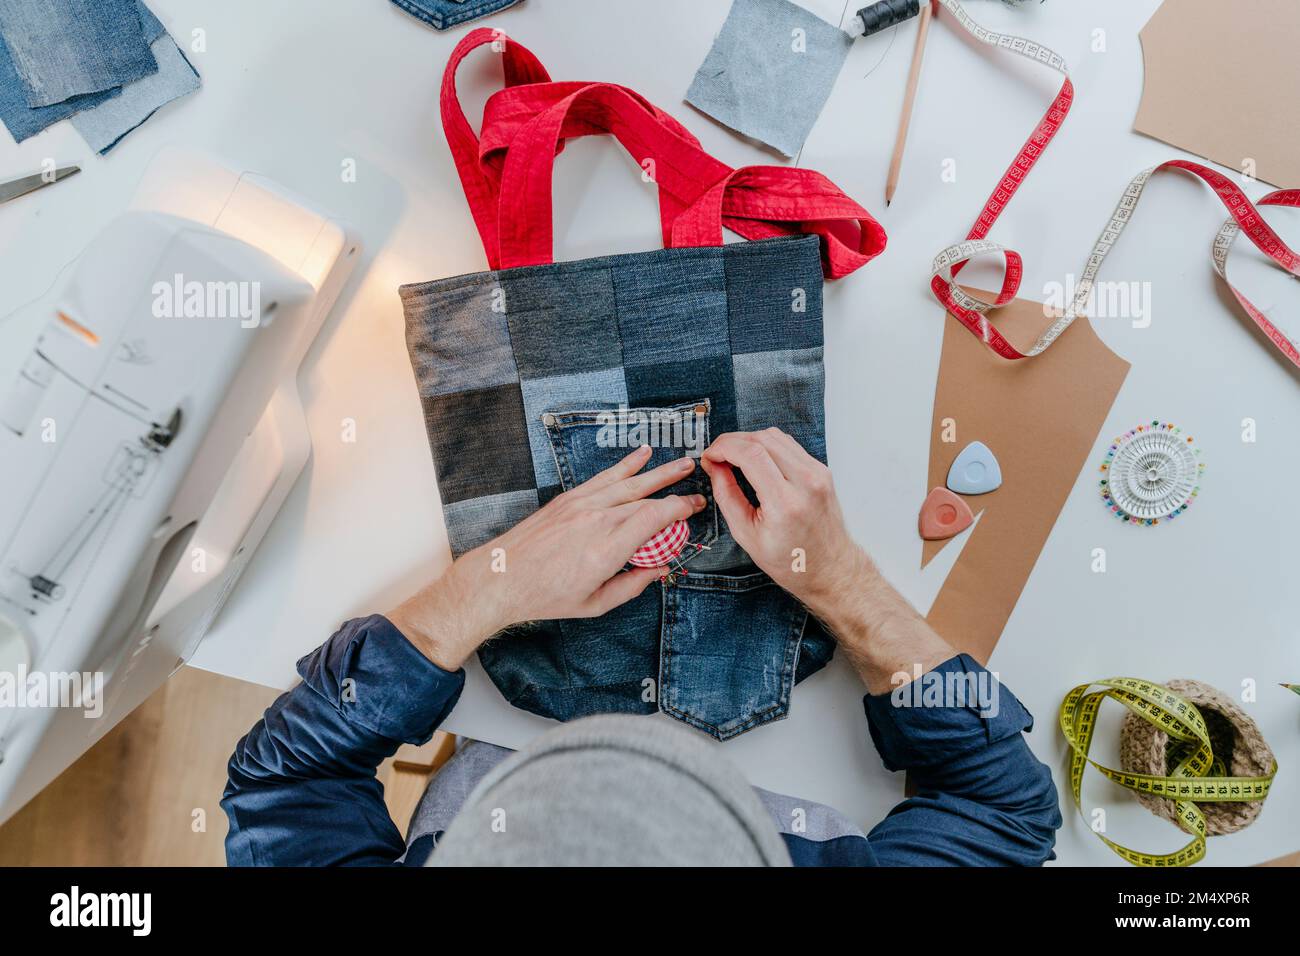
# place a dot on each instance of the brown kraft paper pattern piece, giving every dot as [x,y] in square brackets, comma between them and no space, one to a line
[1041,418]
[1204,60]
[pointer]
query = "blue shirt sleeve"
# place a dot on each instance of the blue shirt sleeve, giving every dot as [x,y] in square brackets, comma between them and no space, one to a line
[302,787]
[981,797]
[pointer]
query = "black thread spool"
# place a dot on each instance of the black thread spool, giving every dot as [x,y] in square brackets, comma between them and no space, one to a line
[887,13]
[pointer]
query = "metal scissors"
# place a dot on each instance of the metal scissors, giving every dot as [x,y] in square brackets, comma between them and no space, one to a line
[21,187]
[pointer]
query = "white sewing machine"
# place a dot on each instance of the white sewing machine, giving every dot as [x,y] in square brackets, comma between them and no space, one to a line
[145,446]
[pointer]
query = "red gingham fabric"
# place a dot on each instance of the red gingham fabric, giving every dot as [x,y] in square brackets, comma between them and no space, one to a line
[663,547]
[507,173]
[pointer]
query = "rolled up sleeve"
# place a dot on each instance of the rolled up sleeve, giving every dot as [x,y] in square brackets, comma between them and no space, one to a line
[302,787]
[981,796]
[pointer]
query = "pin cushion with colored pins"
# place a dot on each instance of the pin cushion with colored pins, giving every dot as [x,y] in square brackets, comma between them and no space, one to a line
[664,550]
[1152,473]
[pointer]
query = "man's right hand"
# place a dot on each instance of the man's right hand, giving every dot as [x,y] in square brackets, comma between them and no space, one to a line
[797,535]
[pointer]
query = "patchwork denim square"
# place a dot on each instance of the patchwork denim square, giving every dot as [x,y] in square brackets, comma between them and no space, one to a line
[782,390]
[476,521]
[774,300]
[447,321]
[563,392]
[686,380]
[671,305]
[554,321]
[480,444]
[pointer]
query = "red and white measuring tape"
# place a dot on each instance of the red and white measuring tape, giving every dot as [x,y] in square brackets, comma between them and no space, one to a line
[973,313]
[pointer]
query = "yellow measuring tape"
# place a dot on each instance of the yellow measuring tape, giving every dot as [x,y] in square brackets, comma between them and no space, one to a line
[1198,776]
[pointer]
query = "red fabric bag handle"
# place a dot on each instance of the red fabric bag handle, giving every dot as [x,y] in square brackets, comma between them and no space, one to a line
[680,169]
[528,92]
[508,183]
[759,202]
[481,180]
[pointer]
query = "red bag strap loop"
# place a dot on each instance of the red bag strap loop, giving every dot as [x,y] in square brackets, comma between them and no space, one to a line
[510,109]
[681,170]
[759,202]
[507,175]
[480,181]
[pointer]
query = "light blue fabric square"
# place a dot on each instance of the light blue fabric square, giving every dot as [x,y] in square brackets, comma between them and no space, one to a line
[448,320]
[597,389]
[108,124]
[477,521]
[770,72]
[784,389]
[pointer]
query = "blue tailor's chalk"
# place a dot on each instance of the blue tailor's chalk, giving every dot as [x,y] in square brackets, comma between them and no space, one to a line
[975,472]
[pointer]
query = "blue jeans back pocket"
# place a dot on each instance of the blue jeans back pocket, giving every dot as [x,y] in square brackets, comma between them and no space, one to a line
[729,651]
[588,440]
[728,643]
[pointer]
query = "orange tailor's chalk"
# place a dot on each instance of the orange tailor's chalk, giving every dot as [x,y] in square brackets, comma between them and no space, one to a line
[944,515]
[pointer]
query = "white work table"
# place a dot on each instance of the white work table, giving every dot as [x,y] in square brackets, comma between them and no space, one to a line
[295,89]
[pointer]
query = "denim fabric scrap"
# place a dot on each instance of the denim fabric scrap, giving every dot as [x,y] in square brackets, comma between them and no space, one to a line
[175,75]
[66,48]
[21,120]
[442,14]
[108,124]
[24,122]
[770,71]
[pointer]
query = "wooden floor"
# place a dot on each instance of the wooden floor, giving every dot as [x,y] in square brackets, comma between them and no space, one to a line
[147,794]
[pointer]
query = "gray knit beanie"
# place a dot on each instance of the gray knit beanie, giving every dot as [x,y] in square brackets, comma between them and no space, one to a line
[613,791]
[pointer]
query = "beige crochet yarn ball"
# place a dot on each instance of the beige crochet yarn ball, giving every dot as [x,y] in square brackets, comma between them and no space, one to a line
[1235,738]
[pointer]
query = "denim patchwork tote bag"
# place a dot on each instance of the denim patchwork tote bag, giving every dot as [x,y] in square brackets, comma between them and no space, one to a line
[524,369]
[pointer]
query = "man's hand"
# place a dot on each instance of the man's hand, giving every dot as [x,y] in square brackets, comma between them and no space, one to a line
[563,561]
[797,535]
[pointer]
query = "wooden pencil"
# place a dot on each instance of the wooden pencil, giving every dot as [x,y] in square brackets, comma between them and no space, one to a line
[918,52]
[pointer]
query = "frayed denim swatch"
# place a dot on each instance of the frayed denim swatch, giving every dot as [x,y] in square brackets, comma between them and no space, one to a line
[770,72]
[66,48]
[441,14]
[107,124]
[24,122]
[171,76]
